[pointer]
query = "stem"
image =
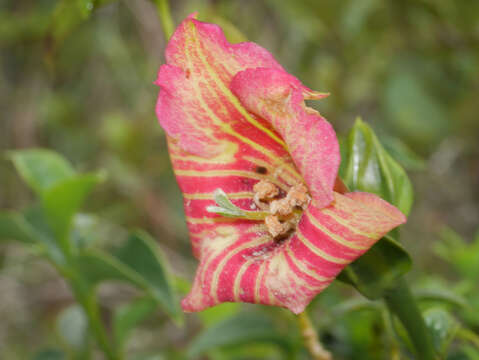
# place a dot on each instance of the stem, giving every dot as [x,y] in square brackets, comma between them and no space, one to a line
[401,303]
[164,12]
[87,299]
[311,340]
[470,336]
[96,324]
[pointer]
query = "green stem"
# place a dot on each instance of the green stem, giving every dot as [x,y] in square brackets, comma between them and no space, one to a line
[88,300]
[164,12]
[400,302]
[96,324]
[470,336]
[310,337]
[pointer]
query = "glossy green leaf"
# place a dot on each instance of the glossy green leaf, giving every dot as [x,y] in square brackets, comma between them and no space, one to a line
[64,199]
[377,270]
[40,168]
[443,328]
[72,327]
[128,316]
[239,330]
[138,263]
[366,166]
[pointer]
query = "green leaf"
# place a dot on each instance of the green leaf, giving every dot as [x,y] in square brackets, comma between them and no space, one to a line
[30,228]
[366,166]
[403,154]
[138,263]
[13,226]
[41,168]
[72,327]
[219,312]
[443,328]
[141,253]
[35,216]
[64,199]
[441,295]
[128,316]
[69,14]
[378,269]
[239,330]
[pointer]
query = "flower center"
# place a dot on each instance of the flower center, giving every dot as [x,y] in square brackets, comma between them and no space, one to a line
[280,211]
[284,211]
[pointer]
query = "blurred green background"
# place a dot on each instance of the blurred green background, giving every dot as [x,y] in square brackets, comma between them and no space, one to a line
[77,77]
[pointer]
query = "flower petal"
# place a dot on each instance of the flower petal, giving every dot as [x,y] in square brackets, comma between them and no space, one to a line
[213,141]
[250,267]
[279,97]
[196,106]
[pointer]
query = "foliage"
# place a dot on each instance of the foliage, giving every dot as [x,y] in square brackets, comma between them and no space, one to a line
[48,226]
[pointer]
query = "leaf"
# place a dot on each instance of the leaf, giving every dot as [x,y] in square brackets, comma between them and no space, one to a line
[72,327]
[443,328]
[30,228]
[137,263]
[69,14]
[377,270]
[13,226]
[128,316]
[366,166]
[219,312]
[35,216]
[40,168]
[403,154]
[141,253]
[239,330]
[441,295]
[64,199]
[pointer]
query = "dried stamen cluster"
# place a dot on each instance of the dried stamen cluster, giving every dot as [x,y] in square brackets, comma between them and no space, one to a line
[283,212]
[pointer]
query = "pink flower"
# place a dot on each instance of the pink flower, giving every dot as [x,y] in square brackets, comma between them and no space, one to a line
[237,121]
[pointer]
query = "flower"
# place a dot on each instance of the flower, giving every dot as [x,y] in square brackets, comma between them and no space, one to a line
[237,121]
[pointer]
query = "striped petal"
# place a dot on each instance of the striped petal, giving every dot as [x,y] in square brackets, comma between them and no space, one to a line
[213,141]
[247,265]
[279,97]
[234,117]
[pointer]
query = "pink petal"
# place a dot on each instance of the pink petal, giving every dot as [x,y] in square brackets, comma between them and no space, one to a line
[214,142]
[279,97]
[249,266]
